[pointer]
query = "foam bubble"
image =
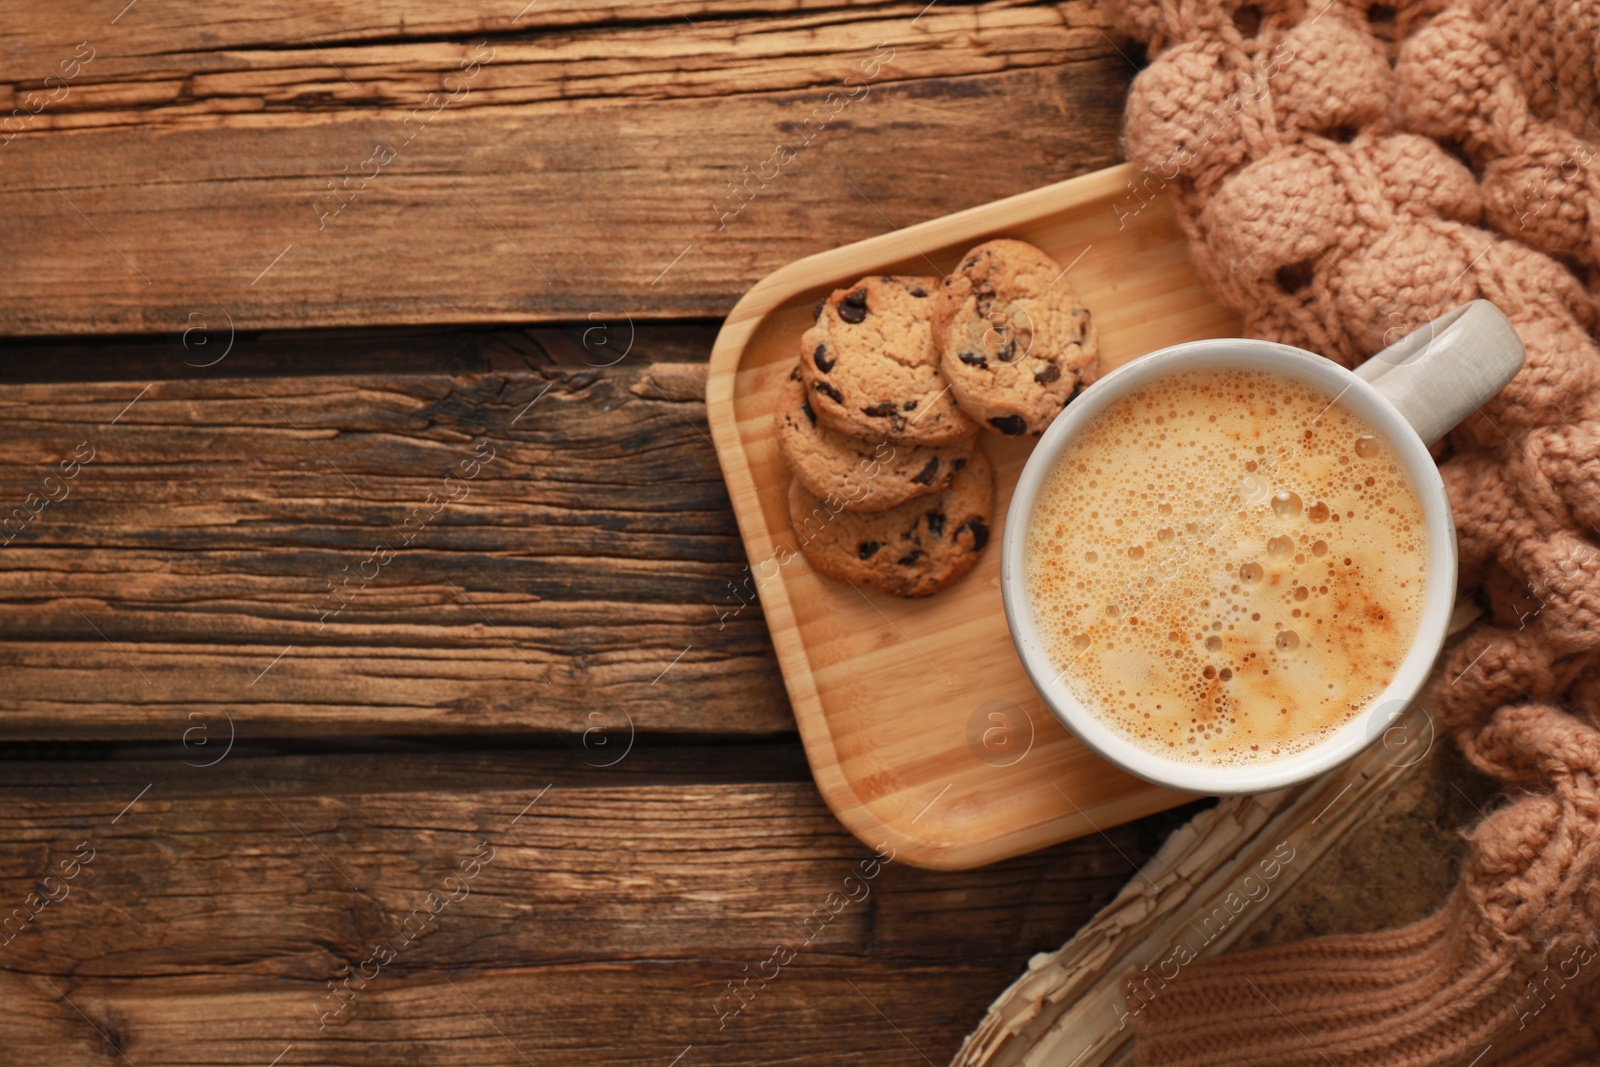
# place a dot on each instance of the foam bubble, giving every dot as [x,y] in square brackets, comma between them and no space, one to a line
[1267,597]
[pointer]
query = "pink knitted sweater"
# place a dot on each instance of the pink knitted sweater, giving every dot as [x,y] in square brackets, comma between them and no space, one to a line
[1347,170]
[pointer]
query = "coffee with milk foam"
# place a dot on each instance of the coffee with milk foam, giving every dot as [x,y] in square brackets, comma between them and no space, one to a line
[1227,566]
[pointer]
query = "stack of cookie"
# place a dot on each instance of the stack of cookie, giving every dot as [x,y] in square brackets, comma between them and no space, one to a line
[880,420]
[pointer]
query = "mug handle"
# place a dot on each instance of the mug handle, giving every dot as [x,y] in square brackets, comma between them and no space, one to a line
[1444,371]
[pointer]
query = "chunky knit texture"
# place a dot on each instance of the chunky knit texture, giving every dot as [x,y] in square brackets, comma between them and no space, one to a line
[1345,171]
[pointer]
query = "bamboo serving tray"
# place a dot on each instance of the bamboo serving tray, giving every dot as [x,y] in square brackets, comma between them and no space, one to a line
[922,729]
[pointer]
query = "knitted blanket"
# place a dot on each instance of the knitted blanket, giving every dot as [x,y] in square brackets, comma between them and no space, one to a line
[1346,171]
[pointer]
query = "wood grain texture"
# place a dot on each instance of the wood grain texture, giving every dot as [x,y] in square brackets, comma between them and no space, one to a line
[898,701]
[662,55]
[609,160]
[36,34]
[605,925]
[586,577]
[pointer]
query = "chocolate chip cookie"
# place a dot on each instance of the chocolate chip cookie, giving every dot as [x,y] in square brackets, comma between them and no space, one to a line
[871,367]
[866,475]
[1014,342]
[912,550]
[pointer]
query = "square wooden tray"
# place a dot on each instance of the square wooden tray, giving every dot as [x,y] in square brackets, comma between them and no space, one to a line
[922,730]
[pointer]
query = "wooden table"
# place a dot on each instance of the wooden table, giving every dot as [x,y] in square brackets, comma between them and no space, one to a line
[381,687]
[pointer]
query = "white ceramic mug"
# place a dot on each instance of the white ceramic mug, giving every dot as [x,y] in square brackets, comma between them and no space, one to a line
[1412,392]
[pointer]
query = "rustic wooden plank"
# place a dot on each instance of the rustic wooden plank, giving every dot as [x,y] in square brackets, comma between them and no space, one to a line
[679,856]
[604,923]
[203,527]
[622,169]
[666,57]
[35,34]
[640,1015]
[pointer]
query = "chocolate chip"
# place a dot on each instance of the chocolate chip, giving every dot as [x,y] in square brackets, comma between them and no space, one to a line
[919,291]
[1007,352]
[829,391]
[936,523]
[909,405]
[972,359]
[880,411]
[853,308]
[969,264]
[819,357]
[897,423]
[852,314]
[979,531]
[816,312]
[926,474]
[805,406]
[1048,375]
[866,549]
[1010,425]
[910,557]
